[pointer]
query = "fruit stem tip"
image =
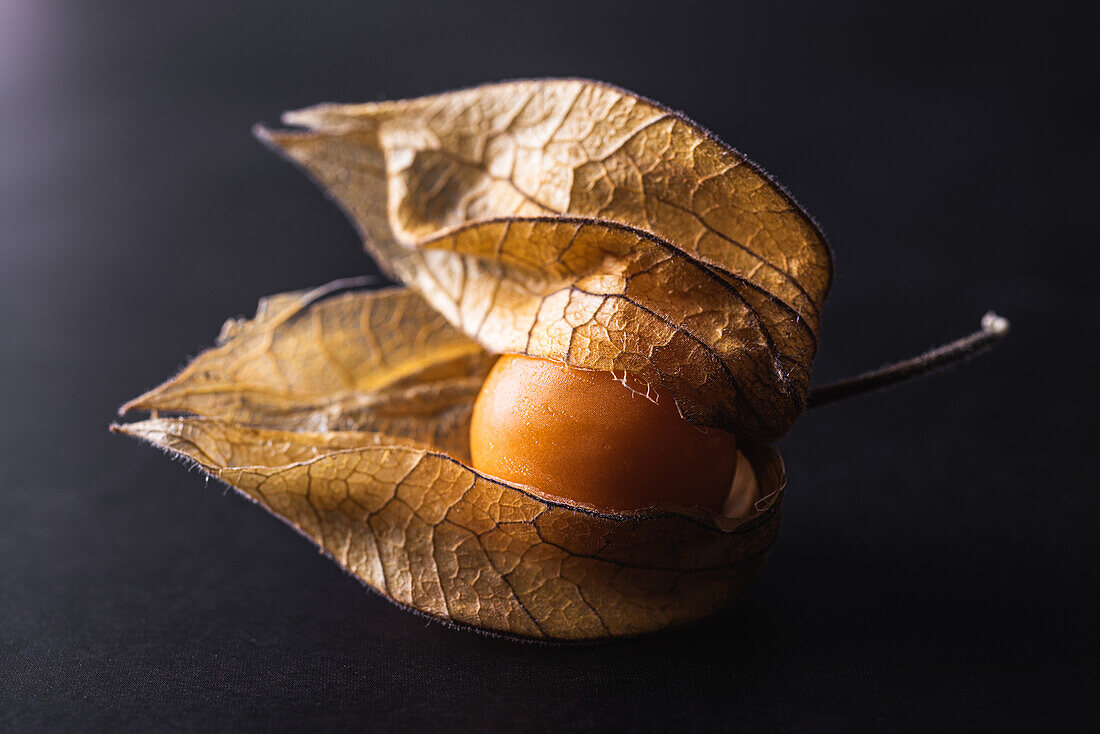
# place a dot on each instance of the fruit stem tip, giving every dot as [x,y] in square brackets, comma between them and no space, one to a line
[993,329]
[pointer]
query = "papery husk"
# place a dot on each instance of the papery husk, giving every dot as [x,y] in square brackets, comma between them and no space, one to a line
[405,514]
[564,219]
[429,533]
[336,358]
[411,172]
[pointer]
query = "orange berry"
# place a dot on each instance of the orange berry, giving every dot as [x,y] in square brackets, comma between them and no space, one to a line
[586,437]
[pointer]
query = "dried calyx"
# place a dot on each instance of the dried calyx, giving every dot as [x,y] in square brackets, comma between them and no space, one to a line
[584,230]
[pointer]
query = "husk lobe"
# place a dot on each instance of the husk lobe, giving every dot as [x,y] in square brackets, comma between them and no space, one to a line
[558,218]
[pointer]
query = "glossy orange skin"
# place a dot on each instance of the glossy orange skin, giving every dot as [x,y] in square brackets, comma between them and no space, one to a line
[585,437]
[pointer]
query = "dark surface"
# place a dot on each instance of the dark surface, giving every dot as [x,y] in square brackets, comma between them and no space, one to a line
[937,564]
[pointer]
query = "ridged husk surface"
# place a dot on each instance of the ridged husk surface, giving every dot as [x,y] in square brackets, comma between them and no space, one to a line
[563,219]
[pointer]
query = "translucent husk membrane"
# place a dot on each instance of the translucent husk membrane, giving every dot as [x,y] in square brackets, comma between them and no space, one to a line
[562,219]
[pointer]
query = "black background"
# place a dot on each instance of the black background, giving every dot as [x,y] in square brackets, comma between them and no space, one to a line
[937,564]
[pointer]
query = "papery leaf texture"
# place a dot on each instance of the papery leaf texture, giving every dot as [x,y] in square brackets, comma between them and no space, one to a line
[415,172]
[559,218]
[433,535]
[336,359]
[346,413]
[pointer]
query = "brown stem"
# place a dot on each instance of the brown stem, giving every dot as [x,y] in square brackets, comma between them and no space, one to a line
[993,330]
